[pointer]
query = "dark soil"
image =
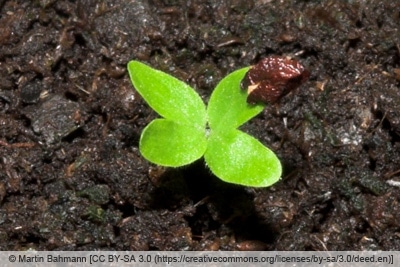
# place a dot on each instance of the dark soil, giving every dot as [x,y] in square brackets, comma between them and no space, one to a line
[71,175]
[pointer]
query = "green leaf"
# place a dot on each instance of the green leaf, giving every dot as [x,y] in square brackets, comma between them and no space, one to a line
[236,157]
[227,108]
[168,143]
[168,96]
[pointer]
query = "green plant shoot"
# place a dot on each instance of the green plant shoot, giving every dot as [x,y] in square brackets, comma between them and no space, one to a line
[181,136]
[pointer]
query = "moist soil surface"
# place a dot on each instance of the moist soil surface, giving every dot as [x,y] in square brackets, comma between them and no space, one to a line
[71,174]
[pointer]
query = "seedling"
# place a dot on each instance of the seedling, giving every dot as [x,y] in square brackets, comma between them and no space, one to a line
[189,130]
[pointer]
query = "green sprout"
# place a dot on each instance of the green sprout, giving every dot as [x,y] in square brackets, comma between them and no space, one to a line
[188,130]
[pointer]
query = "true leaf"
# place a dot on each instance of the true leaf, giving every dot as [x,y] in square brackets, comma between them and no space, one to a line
[168,143]
[236,157]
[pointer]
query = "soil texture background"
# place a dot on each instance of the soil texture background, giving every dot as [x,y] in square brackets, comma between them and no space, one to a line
[71,174]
